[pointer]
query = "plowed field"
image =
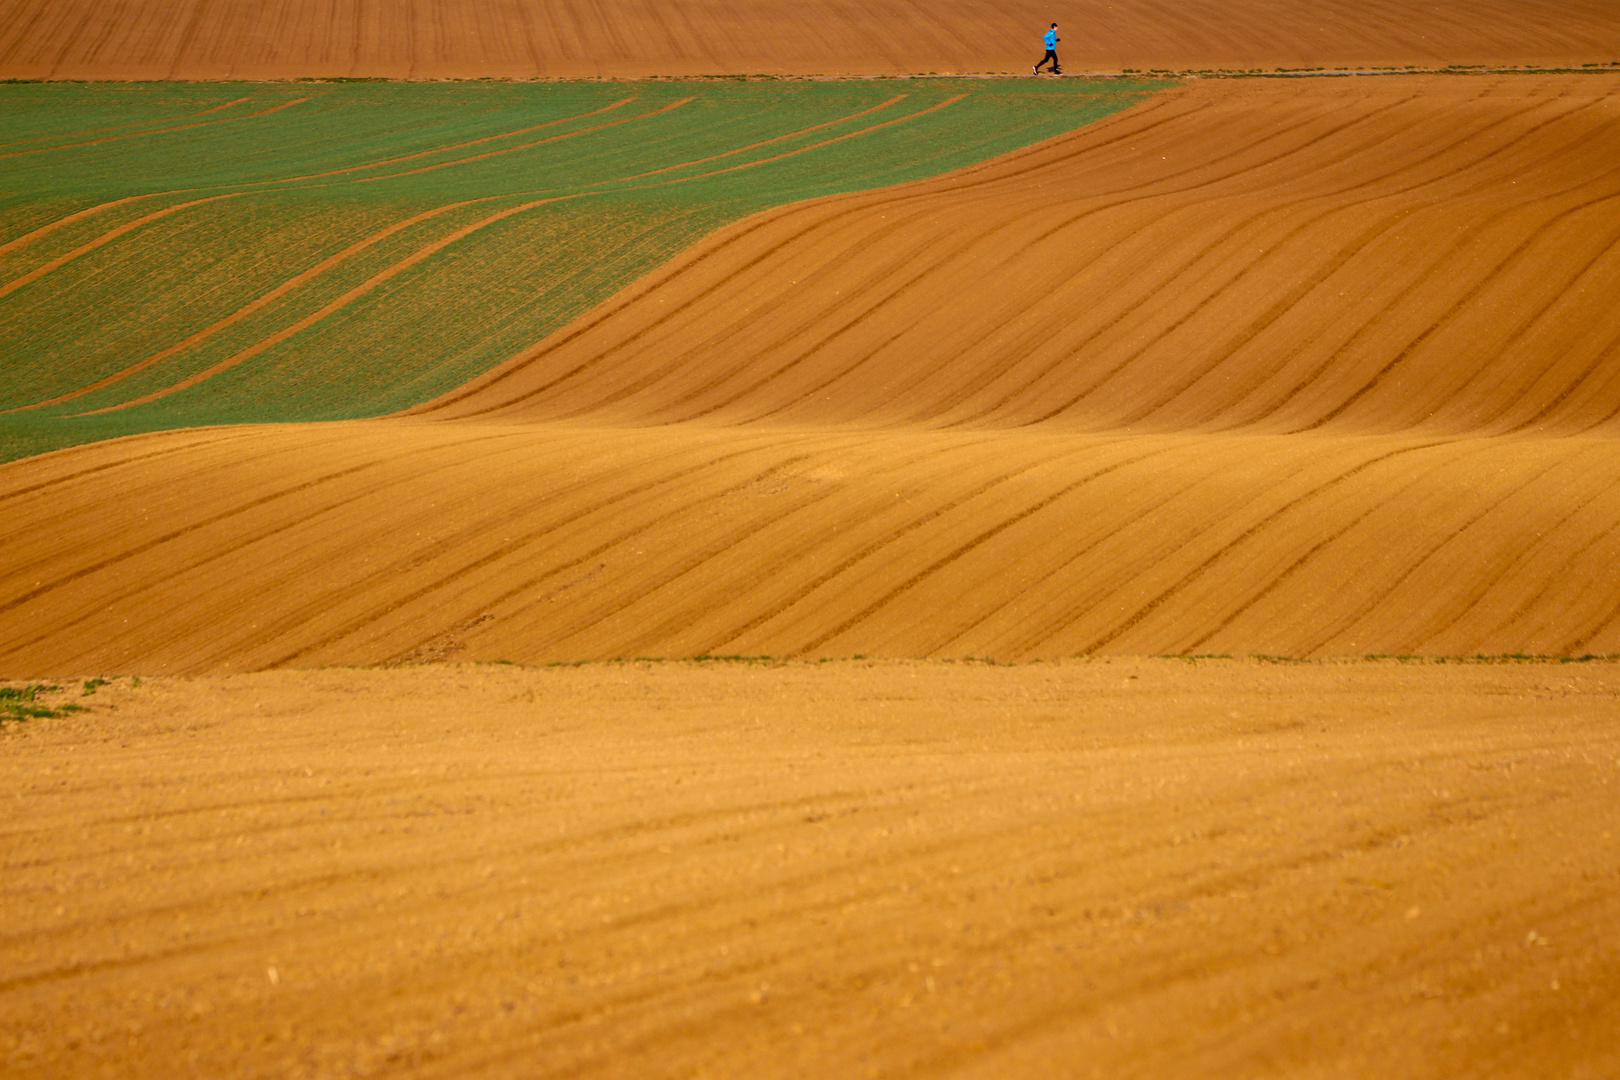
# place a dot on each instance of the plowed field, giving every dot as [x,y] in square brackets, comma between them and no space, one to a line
[1089,869]
[1317,368]
[239,39]
[272,253]
[912,373]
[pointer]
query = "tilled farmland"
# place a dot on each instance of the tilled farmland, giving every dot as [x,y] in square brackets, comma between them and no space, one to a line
[942,576]
[1308,368]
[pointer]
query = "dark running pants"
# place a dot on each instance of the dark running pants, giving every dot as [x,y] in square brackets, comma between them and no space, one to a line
[1051,54]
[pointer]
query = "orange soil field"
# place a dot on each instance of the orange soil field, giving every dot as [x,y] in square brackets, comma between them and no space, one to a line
[236,39]
[1317,368]
[1107,868]
[1307,367]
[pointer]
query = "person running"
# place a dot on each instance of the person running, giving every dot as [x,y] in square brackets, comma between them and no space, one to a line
[1051,40]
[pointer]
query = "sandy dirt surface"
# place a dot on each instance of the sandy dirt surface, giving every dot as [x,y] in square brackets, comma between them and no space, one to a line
[1152,868]
[1315,368]
[217,39]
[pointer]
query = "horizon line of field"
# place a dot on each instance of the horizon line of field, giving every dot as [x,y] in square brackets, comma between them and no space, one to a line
[103,677]
[611,186]
[1306,72]
[1126,73]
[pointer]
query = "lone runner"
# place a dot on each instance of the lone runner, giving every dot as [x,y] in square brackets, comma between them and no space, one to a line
[1051,39]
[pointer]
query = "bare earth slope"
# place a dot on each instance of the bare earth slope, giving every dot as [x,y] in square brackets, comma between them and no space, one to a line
[1312,368]
[1108,868]
[215,39]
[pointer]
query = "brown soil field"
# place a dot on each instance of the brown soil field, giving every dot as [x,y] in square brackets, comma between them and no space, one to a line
[1308,367]
[238,39]
[1126,867]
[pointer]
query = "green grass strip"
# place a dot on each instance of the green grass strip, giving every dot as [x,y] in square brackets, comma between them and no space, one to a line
[20,703]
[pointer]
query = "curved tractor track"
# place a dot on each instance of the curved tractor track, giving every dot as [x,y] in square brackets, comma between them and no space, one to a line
[341,260]
[119,39]
[1312,369]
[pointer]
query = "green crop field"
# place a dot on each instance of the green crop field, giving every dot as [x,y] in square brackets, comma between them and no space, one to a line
[182,254]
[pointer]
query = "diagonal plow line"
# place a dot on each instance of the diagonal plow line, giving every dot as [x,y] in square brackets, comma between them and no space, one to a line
[28,238]
[1032,635]
[546,345]
[68,478]
[1252,531]
[115,127]
[342,301]
[1384,498]
[1431,268]
[354,249]
[1606,350]
[147,545]
[715,545]
[1583,639]
[105,238]
[1601,355]
[797,336]
[1533,322]
[159,131]
[1457,172]
[979,540]
[1124,197]
[215,553]
[872,547]
[629,535]
[682,473]
[1342,257]
[767,142]
[527,145]
[327,264]
[1500,270]
[551,343]
[718,381]
[952,100]
[243,312]
[1556,577]
[1148,196]
[803,356]
[454,146]
[1478,589]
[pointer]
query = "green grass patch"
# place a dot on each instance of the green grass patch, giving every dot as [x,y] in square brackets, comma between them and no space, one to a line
[410,235]
[21,703]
